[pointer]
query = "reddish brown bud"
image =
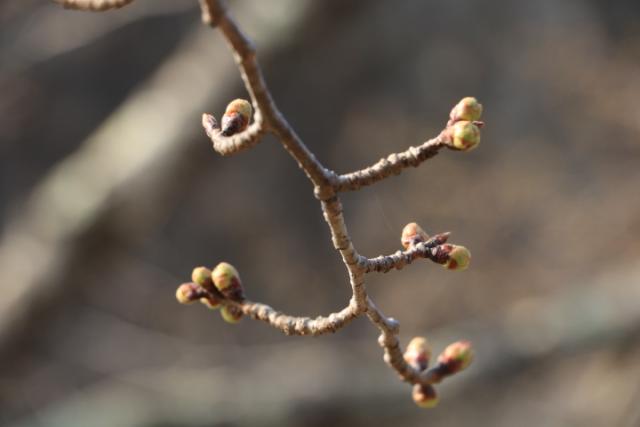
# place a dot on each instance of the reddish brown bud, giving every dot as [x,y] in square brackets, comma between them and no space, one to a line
[211,302]
[231,314]
[459,258]
[468,109]
[424,396]
[236,117]
[418,353]
[456,357]
[202,276]
[188,293]
[464,135]
[412,234]
[227,280]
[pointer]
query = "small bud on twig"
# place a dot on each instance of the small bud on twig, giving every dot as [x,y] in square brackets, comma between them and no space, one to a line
[456,357]
[211,302]
[425,396]
[412,234]
[236,117]
[231,314]
[464,135]
[468,109]
[188,293]
[418,353]
[459,257]
[227,281]
[202,276]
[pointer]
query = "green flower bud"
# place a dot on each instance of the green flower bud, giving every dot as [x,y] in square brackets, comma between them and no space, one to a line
[418,353]
[211,302]
[412,234]
[456,357]
[227,280]
[231,314]
[425,396]
[236,117]
[202,276]
[188,293]
[464,135]
[468,109]
[459,258]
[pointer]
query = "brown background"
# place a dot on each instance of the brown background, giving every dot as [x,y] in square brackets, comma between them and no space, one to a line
[110,194]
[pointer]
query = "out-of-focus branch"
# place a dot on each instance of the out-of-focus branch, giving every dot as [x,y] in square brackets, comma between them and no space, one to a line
[93,5]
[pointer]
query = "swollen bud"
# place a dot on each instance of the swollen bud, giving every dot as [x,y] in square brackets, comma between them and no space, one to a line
[188,293]
[418,353]
[459,258]
[412,234]
[425,396]
[202,276]
[464,135]
[456,357]
[211,302]
[231,314]
[227,280]
[236,117]
[468,109]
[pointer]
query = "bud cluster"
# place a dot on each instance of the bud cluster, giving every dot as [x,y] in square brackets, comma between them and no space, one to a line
[213,288]
[463,129]
[455,358]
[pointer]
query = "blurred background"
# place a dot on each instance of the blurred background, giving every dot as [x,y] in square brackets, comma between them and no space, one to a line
[110,194]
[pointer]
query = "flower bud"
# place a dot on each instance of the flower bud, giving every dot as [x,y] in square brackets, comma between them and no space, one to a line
[464,135]
[227,280]
[412,234]
[425,396]
[459,258]
[202,276]
[236,117]
[188,293]
[211,302]
[456,357]
[418,353]
[231,314]
[468,109]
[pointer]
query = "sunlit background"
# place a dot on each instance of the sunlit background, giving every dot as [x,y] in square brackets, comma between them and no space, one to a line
[110,194]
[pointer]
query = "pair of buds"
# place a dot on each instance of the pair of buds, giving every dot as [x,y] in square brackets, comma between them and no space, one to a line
[463,129]
[456,257]
[455,358]
[211,288]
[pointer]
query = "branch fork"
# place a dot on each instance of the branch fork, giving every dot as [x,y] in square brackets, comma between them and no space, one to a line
[221,288]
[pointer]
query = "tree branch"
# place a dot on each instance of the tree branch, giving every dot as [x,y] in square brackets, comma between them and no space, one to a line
[391,165]
[93,5]
[222,286]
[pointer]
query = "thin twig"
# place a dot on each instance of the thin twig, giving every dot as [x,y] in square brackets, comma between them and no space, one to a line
[390,165]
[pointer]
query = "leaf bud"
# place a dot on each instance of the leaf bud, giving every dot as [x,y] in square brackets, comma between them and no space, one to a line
[231,314]
[188,293]
[456,357]
[202,276]
[425,396]
[227,280]
[468,109]
[412,234]
[236,117]
[459,258]
[464,135]
[418,353]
